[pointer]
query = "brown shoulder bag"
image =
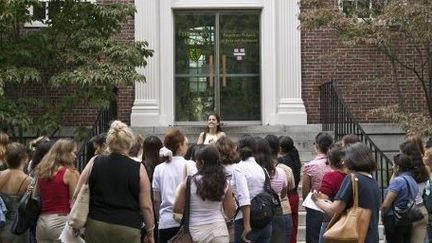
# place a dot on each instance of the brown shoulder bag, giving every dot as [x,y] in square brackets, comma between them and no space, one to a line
[351,225]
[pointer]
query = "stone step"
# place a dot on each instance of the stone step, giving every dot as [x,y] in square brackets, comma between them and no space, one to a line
[303,136]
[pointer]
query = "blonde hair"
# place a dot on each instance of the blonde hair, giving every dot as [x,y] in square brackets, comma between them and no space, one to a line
[4,140]
[60,154]
[120,137]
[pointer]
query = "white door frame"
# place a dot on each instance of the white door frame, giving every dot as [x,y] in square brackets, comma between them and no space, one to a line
[281,101]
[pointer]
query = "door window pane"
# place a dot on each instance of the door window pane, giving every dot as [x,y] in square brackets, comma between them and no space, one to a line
[217,73]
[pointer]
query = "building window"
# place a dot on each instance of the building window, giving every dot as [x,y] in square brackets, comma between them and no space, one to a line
[363,9]
[42,12]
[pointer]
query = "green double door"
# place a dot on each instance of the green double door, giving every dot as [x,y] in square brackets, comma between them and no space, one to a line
[217,65]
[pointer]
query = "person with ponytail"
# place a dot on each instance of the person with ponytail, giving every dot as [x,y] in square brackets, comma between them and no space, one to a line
[209,193]
[120,199]
[289,156]
[167,176]
[313,173]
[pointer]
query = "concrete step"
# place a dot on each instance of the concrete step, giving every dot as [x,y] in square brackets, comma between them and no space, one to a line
[386,136]
[302,135]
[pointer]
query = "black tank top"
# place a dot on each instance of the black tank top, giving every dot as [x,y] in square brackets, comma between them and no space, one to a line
[114,189]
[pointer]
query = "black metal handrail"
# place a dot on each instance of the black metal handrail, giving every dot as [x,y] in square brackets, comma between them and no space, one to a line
[336,116]
[105,117]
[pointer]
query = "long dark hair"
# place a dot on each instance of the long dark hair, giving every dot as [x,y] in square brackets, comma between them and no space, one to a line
[212,184]
[418,171]
[246,147]
[151,147]
[264,155]
[273,141]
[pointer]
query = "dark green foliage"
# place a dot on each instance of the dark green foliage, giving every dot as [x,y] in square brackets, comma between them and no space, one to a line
[77,51]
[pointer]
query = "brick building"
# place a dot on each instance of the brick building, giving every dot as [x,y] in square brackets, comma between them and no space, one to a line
[249,61]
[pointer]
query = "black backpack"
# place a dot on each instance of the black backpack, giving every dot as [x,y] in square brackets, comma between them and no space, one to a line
[264,206]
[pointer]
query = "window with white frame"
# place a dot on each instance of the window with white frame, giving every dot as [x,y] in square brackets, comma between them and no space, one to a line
[43,11]
[362,8]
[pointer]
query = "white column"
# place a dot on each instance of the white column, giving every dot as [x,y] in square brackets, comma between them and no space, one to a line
[290,106]
[146,108]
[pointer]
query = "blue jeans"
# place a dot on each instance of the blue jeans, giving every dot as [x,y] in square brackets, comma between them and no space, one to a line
[256,235]
[314,220]
[281,228]
[323,229]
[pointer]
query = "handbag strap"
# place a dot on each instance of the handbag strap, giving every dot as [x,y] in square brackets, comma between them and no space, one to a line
[186,210]
[354,182]
[267,186]
[408,186]
[91,169]
[22,183]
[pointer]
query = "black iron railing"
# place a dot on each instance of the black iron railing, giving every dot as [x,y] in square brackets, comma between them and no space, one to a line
[105,117]
[336,116]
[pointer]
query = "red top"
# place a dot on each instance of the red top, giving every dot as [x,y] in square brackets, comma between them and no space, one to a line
[331,183]
[54,194]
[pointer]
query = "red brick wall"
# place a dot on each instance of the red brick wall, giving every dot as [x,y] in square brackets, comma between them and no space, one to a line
[84,115]
[361,72]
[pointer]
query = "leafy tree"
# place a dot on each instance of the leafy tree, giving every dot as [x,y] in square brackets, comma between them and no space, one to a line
[77,53]
[384,26]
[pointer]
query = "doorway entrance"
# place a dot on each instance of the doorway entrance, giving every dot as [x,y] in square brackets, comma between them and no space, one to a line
[217,65]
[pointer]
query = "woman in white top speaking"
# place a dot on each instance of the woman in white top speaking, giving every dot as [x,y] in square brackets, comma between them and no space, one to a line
[213,131]
[166,178]
[210,193]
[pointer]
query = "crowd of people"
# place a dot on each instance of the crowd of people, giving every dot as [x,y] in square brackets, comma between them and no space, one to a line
[140,187]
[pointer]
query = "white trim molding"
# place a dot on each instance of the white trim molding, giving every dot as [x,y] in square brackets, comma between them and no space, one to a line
[281,102]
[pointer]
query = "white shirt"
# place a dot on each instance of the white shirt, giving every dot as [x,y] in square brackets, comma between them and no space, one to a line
[229,171]
[204,211]
[190,168]
[248,181]
[166,177]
